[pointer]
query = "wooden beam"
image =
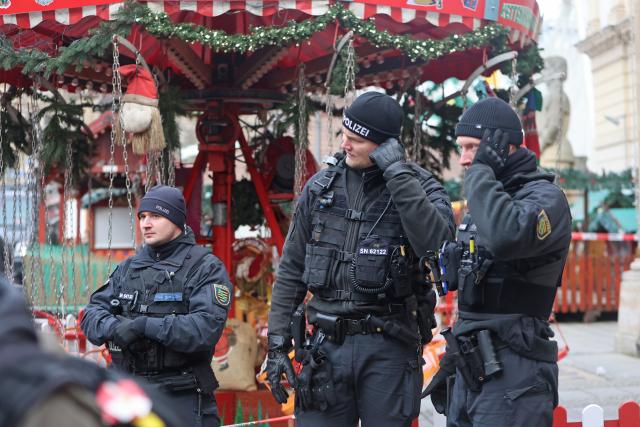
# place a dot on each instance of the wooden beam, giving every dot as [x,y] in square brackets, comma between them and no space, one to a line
[257,65]
[190,63]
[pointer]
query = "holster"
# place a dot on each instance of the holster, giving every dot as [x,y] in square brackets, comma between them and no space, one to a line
[314,384]
[333,327]
[205,378]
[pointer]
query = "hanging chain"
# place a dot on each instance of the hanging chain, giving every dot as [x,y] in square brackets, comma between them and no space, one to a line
[513,90]
[8,265]
[125,157]
[16,184]
[151,170]
[32,190]
[89,194]
[63,220]
[3,188]
[115,109]
[417,126]
[18,187]
[303,140]
[350,80]
[161,167]
[172,168]
[127,182]
[329,113]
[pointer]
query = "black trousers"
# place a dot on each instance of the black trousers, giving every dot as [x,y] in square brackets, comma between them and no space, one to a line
[377,380]
[524,394]
[194,409]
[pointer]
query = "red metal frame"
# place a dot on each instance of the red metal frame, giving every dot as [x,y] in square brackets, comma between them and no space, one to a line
[217,154]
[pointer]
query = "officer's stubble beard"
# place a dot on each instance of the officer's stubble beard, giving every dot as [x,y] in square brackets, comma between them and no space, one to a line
[163,232]
[360,150]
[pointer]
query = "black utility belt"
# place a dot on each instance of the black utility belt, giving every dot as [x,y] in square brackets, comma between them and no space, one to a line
[336,328]
[394,305]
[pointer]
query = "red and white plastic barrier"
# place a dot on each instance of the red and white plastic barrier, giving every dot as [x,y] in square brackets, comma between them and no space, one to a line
[605,237]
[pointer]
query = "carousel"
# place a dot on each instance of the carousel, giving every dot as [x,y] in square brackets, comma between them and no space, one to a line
[245,86]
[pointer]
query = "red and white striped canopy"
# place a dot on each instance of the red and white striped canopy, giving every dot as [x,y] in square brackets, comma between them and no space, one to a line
[522,16]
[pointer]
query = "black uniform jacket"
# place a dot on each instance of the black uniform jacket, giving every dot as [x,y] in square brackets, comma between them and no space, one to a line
[199,330]
[519,215]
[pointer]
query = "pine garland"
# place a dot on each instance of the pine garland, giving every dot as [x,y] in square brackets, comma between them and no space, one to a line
[160,26]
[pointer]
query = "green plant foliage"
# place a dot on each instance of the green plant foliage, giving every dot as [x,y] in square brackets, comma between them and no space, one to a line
[437,140]
[245,209]
[578,179]
[171,105]
[64,127]
[14,138]
[454,189]
[339,74]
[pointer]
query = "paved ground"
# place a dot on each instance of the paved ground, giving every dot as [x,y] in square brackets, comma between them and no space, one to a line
[592,372]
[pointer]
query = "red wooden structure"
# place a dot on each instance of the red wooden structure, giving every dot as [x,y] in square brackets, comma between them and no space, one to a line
[592,276]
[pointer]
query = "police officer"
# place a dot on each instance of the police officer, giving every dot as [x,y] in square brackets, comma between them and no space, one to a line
[506,265]
[53,389]
[354,242]
[163,310]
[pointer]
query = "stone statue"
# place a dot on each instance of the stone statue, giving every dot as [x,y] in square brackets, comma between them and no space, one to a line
[553,120]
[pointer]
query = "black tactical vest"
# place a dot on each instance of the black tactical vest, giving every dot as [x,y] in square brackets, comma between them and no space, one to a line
[157,291]
[525,286]
[370,242]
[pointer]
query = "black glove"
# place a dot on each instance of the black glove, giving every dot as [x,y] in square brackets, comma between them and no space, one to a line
[493,150]
[278,363]
[437,388]
[128,331]
[388,153]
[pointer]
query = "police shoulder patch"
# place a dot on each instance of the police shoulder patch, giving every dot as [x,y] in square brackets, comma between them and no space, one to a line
[221,294]
[543,227]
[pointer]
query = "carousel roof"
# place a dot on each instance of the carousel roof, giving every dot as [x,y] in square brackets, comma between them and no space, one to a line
[269,71]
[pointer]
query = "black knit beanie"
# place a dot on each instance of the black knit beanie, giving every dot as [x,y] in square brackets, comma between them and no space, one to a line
[167,202]
[374,116]
[490,113]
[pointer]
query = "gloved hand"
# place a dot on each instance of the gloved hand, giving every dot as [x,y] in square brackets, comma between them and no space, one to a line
[129,331]
[493,150]
[388,153]
[437,388]
[278,363]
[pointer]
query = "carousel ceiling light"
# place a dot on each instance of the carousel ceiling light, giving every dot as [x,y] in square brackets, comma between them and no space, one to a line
[75,82]
[380,59]
[103,88]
